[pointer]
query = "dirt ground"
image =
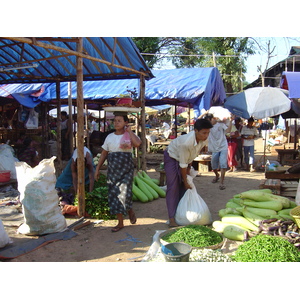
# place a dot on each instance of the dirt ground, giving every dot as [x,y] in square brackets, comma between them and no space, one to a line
[96,243]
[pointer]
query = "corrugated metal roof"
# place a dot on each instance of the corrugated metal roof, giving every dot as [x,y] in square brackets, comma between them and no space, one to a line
[50,59]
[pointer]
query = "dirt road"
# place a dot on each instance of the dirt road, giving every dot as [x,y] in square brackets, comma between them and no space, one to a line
[96,242]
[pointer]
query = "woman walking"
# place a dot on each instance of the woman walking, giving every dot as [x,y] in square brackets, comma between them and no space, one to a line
[117,149]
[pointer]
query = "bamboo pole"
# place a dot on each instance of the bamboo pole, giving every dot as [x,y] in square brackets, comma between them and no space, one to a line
[58,142]
[70,119]
[80,133]
[143,121]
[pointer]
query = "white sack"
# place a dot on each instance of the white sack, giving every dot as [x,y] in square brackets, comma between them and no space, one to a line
[7,160]
[39,198]
[191,208]
[4,238]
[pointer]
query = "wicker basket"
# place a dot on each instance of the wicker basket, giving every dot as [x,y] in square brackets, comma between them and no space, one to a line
[295,213]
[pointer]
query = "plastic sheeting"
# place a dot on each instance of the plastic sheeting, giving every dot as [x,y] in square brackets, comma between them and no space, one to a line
[200,87]
[291,82]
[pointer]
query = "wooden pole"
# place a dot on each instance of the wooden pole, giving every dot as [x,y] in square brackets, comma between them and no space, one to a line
[80,133]
[58,123]
[143,121]
[71,137]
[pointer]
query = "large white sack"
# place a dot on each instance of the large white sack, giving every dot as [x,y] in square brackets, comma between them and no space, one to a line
[191,208]
[7,160]
[4,238]
[39,198]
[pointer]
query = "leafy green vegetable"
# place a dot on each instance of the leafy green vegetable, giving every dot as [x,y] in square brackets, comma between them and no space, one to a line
[96,202]
[194,235]
[266,248]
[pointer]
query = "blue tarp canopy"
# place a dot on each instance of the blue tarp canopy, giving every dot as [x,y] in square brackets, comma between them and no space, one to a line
[53,59]
[200,87]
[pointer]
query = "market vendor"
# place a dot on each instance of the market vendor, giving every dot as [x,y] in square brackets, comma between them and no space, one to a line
[178,158]
[68,177]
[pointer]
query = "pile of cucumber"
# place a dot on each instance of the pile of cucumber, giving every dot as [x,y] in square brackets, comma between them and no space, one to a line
[145,188]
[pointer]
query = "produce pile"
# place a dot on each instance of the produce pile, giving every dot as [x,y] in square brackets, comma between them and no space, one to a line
[96,202]
[258,212]
[198,236]
[199,255]
[267,248]
[145,188]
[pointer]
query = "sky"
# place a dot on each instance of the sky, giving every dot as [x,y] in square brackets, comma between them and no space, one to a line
[282,49]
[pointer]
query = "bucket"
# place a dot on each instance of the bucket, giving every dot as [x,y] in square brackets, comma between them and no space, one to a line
[176,252]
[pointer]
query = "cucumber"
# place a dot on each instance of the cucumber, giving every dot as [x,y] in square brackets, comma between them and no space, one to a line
[274,205]
[139,194]
[234,232]
[151,190]
[158,189]
[142,186]
[240,221]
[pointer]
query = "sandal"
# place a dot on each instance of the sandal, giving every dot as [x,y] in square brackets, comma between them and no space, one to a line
[132,218]
[215,180]
[222,187]
[116,229]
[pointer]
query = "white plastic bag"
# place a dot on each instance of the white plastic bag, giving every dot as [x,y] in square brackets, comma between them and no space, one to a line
[33,120]
[192,209]
[39,198]
[4,238]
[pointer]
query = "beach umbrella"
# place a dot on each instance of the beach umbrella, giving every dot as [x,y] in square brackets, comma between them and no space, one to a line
[259,102]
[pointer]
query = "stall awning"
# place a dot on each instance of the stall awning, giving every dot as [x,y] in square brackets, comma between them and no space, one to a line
[291,82]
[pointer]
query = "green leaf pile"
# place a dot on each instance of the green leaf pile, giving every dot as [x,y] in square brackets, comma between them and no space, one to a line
[96,202]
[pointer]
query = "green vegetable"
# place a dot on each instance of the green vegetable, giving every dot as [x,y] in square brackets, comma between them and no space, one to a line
[219,226]
[234,232]
[253,218]
[230,204]
[142,186]
[194,235]
[274,205]
[151,190]
[139,194]
[96,202]
[239,220]
[263,212]
[266,248]
[259,195]
[228,210]
[158,189]
[285,216]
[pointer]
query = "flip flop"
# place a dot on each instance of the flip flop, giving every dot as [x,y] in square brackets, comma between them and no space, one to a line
[215,180]
[116,229]
[222,187]
[132,219]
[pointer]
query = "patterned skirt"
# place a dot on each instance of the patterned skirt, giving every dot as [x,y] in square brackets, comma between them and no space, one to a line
[119,179]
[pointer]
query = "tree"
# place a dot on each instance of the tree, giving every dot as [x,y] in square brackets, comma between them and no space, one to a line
[228,54]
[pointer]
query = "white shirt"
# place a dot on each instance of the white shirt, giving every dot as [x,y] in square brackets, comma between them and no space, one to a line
[85,151]
[185,148]
[249,131]
[217,138]
[112,143]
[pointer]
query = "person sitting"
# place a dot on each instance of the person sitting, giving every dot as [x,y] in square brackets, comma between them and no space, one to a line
[28,153]
[68,178]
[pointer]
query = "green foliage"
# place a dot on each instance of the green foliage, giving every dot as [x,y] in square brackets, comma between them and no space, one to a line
[96,202]
[189,52]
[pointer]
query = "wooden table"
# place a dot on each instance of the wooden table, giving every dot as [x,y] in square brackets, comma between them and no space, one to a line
[285,155]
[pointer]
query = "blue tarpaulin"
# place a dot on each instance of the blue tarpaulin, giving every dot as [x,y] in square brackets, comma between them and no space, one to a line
[291,82]
[200,87]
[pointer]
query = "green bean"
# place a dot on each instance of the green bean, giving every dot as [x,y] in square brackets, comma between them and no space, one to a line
[194,235]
